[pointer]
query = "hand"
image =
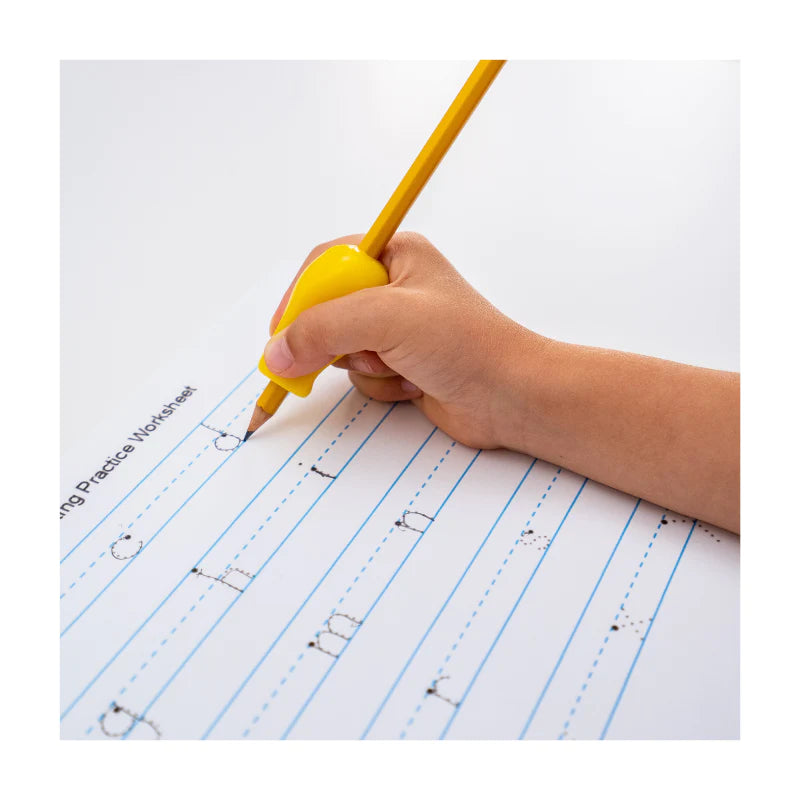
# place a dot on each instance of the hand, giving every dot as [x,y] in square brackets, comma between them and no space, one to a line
[427,337]
[666,432]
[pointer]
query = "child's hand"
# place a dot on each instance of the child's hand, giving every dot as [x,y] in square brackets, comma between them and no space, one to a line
[666,432]
[427,336]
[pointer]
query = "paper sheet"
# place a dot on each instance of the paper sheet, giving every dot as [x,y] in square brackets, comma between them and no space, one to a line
[352,572]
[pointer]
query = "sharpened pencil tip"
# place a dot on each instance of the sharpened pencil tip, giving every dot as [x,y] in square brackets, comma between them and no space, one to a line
[258,419]
[265,407]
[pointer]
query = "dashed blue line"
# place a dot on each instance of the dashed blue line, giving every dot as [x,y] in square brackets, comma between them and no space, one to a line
[511,613]
[214,544]
[616,617]
[265,655]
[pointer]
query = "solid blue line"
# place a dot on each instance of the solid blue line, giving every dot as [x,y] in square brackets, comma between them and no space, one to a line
[444,605]
[175,588]
[229,394]
[511,613]
[256,574]
[647,633]
[313,591]
[377,600]
[149,542]
[156,466]
[173,515]
[577,625]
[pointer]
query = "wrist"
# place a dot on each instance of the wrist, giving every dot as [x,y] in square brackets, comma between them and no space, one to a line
[524,410]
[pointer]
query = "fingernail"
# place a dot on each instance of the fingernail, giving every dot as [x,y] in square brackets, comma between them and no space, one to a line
[408,387]
[277,354]
[361,365]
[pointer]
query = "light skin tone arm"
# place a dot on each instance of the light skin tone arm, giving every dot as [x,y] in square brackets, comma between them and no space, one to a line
[657,429]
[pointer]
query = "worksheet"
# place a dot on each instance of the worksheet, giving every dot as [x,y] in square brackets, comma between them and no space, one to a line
[353,572]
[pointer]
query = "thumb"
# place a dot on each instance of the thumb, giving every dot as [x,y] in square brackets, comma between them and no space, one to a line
[363,320]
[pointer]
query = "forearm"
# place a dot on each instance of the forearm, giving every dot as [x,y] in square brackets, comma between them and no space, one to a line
[657,429]
[660,430]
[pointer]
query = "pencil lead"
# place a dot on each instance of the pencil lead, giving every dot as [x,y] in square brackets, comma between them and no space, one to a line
[247,436]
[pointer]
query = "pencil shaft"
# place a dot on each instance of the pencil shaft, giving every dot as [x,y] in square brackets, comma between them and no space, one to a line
[429,157]
[403,198]
[266,405]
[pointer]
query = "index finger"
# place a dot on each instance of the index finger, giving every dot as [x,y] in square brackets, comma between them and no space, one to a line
[354,238]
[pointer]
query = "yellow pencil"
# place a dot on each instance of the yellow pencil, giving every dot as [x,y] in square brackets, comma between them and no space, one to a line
[402,199]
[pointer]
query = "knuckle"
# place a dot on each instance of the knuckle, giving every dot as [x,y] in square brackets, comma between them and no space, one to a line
[406,243]
[381,389]
[411,239]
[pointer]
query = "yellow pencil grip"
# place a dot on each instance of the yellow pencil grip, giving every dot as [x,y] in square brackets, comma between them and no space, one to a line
[340,270]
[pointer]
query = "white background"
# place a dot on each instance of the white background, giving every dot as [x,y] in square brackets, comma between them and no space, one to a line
[763,36]
[595,202]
